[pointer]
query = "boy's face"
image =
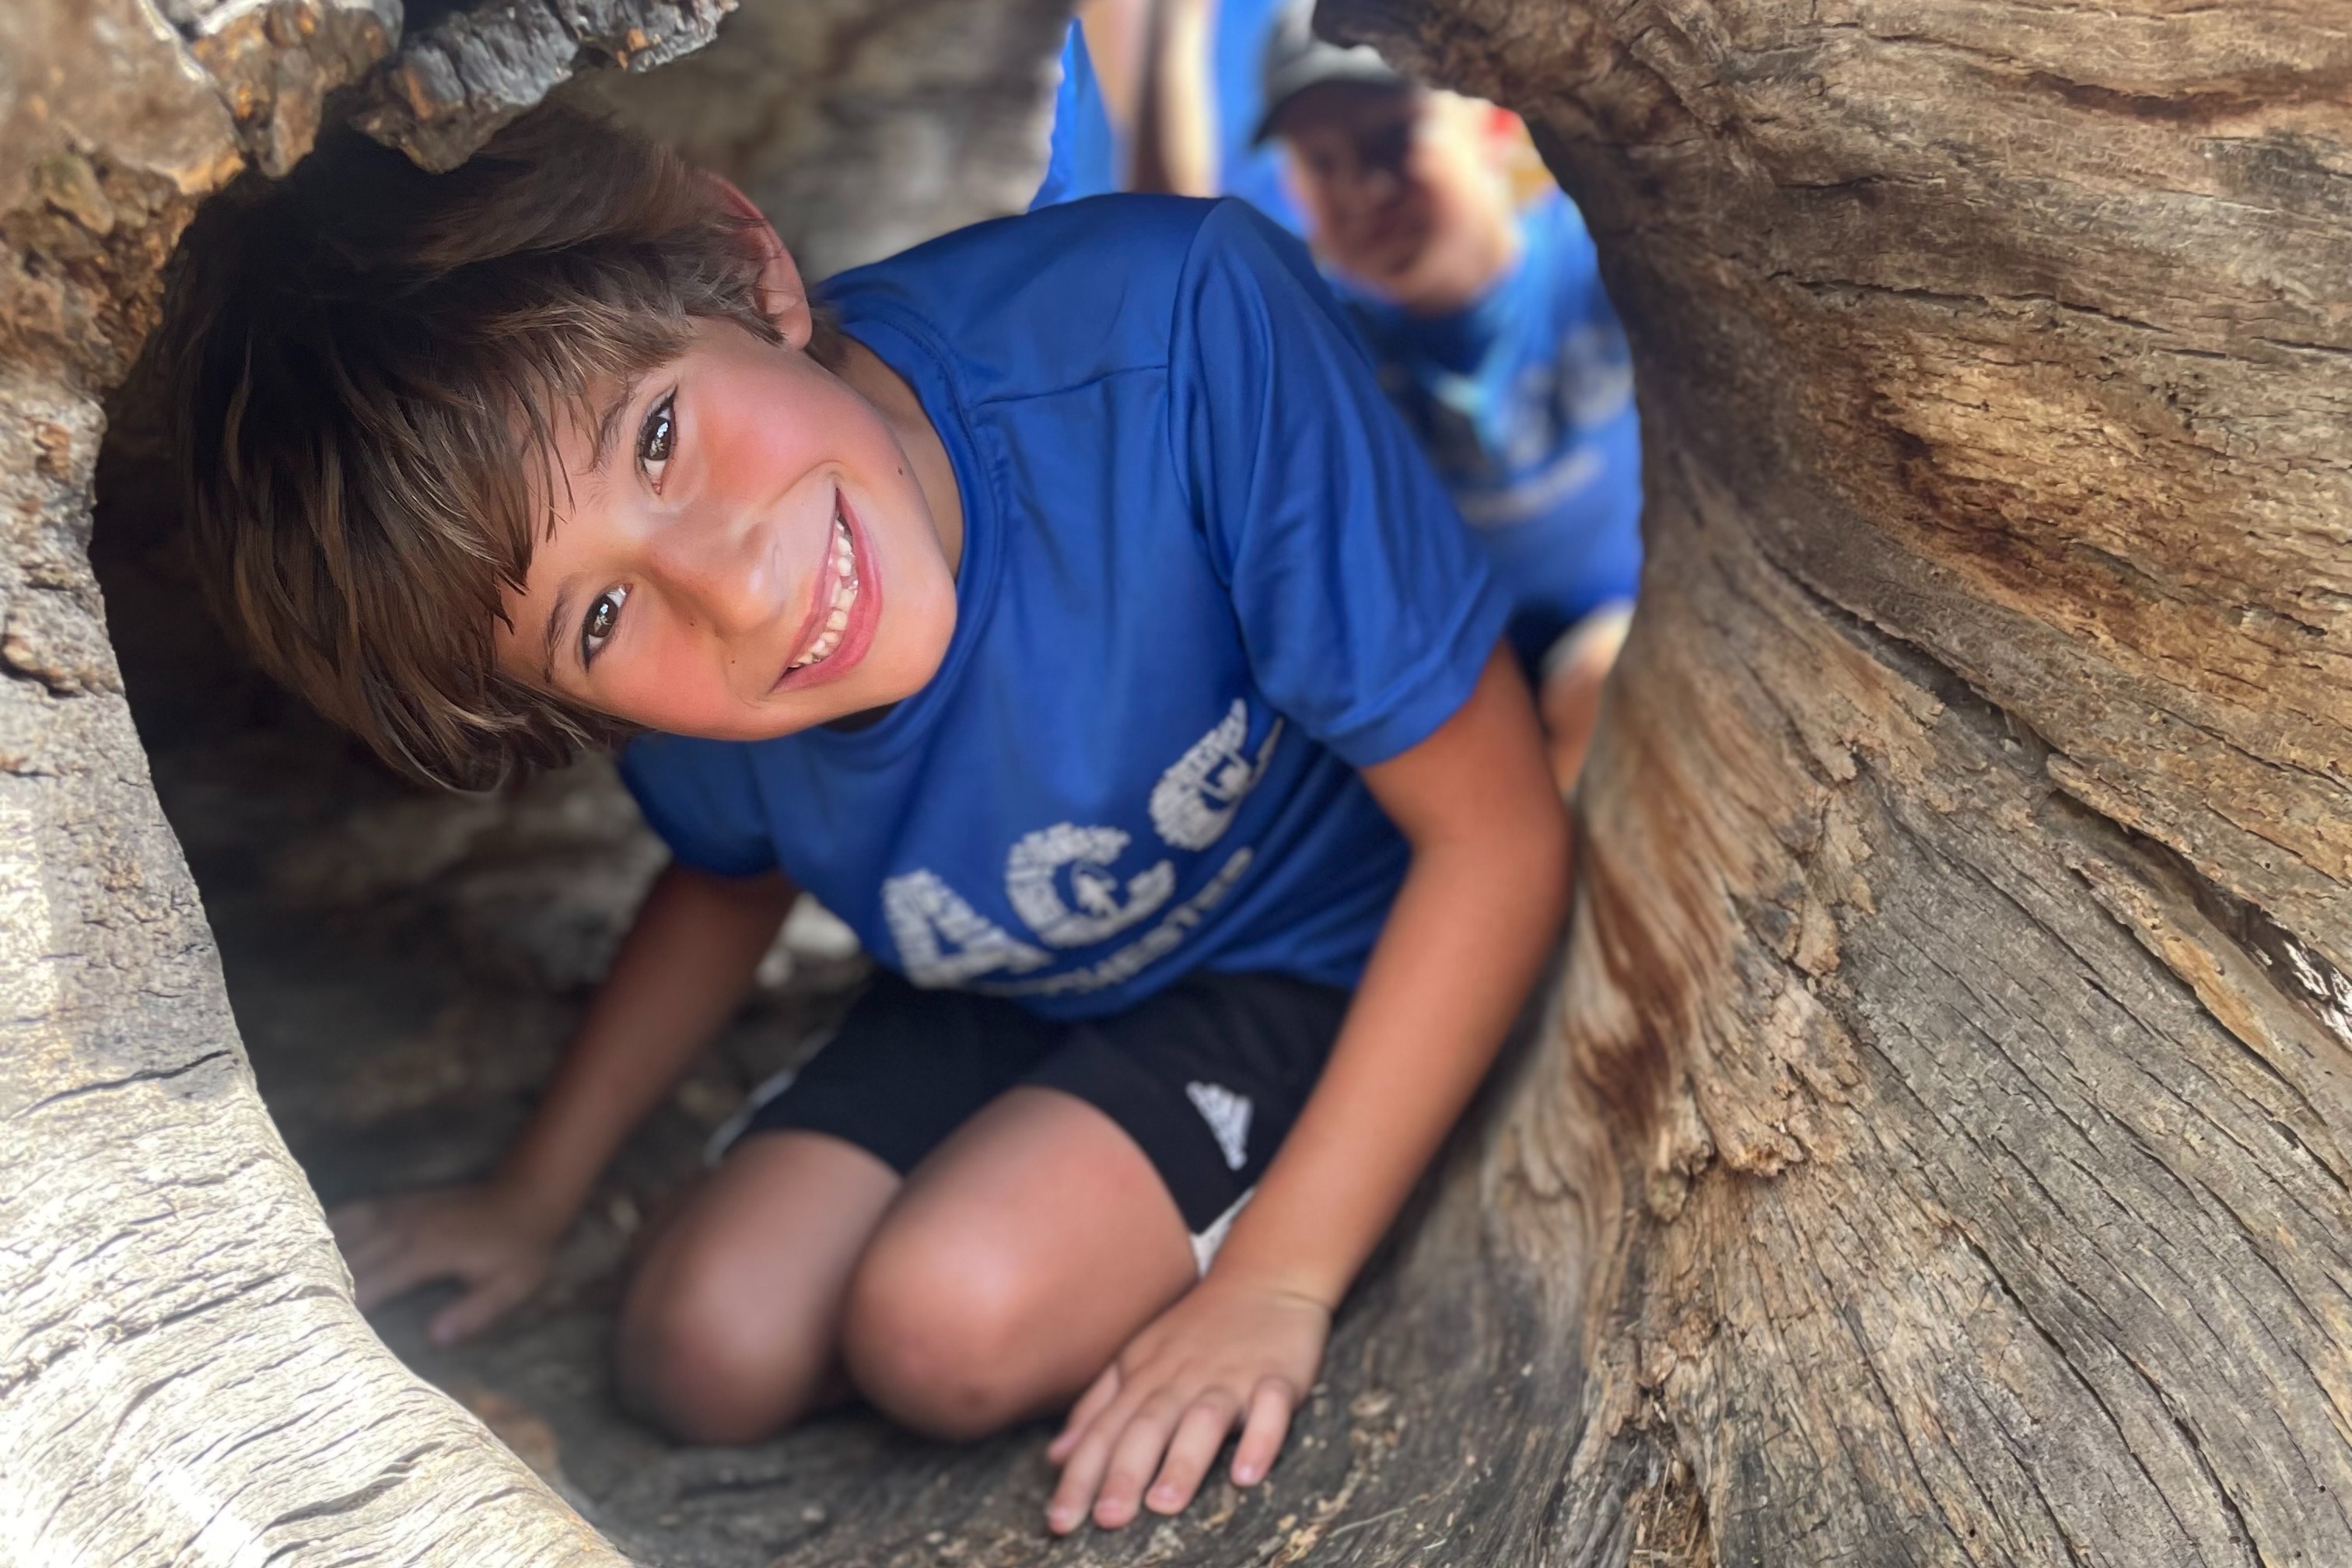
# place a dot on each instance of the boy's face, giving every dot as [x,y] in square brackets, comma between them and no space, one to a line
[1401,189]
[749,554]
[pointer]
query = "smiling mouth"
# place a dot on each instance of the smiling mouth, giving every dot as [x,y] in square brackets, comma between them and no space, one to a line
[841,598]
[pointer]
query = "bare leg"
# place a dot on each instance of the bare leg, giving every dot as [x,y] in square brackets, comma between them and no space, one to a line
[1021,1258]
[729,1326]
[1570,698]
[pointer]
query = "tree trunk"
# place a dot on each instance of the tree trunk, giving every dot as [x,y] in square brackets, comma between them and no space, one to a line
[1951,1078]
[182,1376]
[1933,1150]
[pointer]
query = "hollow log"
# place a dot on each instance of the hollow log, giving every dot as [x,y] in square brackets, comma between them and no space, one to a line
[1955,1038]
[1934,1148]
[182,1376]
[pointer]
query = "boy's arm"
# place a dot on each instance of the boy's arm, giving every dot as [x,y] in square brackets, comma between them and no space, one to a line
[685,966]
[1469,933]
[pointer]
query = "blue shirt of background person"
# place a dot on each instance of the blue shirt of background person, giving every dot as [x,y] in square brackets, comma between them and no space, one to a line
[1493,333]
[1247,167]
[1207,577]
[1524,401]
[1085,157]
[1082,158]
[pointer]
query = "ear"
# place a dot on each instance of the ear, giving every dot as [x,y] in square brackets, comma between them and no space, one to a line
[783,297]
[1505,134]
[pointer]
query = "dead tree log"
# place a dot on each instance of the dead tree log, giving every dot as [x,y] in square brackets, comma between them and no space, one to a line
[182,1377]
[1951,1080]
[1936,1151]
[860,128]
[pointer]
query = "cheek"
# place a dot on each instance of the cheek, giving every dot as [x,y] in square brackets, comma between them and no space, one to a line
[676,681]
[768,431]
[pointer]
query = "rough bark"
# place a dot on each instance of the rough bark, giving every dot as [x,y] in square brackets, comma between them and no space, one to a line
[183,1378]
[1960,974]
[476,69]
[861,127]
[1934,1148]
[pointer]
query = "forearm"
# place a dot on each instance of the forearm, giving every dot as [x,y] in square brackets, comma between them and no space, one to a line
[1469,935]
[1438,996]
[1176,119]
[684,968]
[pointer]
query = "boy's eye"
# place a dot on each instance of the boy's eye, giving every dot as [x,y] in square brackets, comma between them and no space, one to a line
[596,626]
[658,436]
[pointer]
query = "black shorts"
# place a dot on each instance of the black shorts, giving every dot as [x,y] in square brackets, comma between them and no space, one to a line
[1206,1076]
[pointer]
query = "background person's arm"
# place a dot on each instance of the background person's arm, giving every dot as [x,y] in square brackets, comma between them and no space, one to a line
[684,968]
[1176,115]
[1478,915]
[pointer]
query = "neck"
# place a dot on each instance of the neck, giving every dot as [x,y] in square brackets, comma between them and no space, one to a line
[927,455]
[1483,264]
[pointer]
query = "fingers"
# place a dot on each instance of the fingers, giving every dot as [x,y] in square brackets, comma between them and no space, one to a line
[1134,1456]
[365,1241]
[393,1247]
[1082,1471]
[1091,1404]
[480,1307]
[1193,1450]
[1270,1409]
[1113,1456]
[395,1269]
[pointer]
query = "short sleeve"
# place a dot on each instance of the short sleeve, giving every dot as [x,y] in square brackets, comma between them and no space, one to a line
[1081,156]
[1367,606]
[701,799]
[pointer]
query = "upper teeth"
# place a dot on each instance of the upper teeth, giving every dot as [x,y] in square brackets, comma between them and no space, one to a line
[843,561]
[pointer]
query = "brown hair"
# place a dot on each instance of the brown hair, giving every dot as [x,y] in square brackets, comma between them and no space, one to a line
[367,361]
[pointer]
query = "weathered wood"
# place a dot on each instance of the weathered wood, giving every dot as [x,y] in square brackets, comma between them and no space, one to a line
[1967,892]
[860,127]
[1935,1149]
[476,69]
[182,1377]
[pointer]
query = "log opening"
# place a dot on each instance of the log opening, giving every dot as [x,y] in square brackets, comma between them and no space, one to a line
[1934,1151]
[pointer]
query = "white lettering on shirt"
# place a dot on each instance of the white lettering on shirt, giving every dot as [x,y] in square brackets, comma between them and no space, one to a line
[1196,800]
[1148,948]
[942,941]
[1031,868]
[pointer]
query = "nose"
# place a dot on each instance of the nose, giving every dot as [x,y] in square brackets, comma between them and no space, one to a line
[724,567]
[1370,184]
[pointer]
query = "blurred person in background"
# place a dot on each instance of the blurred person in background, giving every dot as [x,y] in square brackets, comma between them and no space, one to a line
[1469,274]
[1473,280]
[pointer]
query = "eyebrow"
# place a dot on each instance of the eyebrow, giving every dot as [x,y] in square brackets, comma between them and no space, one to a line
[608,423]
[557,614]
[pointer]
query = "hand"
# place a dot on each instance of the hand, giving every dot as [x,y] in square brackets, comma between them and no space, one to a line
[485,1237]
[1227,1354]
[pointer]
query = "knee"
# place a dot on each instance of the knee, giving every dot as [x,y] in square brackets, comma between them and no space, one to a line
[937,1335]
[698,1356]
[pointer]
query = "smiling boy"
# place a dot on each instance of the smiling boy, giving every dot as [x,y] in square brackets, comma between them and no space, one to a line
[1058,602]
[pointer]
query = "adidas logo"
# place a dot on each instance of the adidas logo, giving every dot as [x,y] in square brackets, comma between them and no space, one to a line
[1228,1116]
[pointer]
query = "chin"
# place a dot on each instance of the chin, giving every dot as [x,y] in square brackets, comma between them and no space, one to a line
[912,645]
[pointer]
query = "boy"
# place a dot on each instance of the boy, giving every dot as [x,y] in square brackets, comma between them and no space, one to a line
[1493,336]
[1058,602]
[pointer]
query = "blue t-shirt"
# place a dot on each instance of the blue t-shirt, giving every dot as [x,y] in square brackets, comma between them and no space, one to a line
[1082,157]
[1247,169]
[1207,575]
[1525,404]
